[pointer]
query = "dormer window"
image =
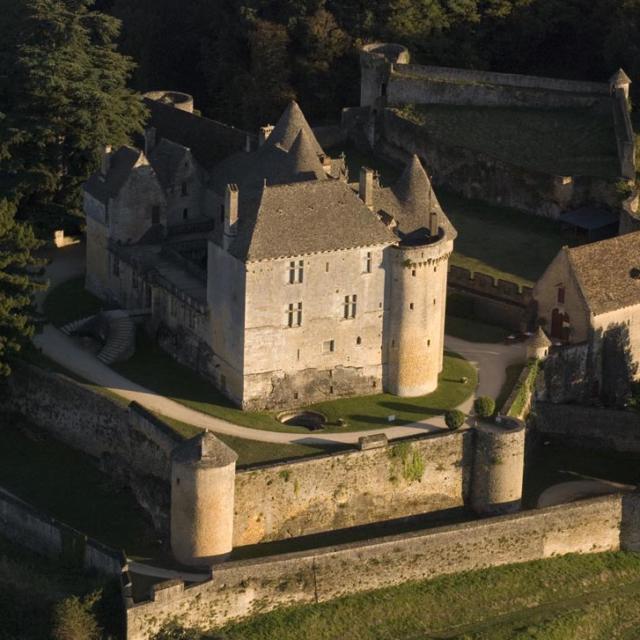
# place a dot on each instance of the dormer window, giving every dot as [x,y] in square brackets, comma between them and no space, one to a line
[296,271]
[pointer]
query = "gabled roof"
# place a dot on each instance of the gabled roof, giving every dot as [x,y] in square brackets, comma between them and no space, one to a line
[307,217]
[290,124]
[619,78]
[608,272]
[411,200]
[121,164]
[539,340]
[166,158]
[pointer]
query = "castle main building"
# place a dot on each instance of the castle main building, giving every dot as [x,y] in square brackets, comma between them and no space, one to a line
[261,266]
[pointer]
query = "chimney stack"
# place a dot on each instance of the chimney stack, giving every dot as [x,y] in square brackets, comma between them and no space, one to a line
[230,214]
[106,160]
[149,140]
[366,186]
[264,133]
[433,224]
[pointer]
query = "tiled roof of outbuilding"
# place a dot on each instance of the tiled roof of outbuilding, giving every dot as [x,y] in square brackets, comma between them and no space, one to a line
[608,272]
[307,217]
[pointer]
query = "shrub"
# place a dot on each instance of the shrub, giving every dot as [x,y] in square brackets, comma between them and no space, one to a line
[454,419]
[73,619]
[484,406]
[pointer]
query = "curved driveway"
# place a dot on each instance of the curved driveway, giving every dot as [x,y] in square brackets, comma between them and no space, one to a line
[490,359]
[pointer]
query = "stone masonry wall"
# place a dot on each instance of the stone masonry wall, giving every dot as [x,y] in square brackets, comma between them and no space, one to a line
[128,443]
[240,589]
[589,427]
[354,488]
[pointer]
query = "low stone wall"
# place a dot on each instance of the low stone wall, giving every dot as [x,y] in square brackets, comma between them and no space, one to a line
[127,442]
[342,490]
[28,527]
[240,589]
[590,427]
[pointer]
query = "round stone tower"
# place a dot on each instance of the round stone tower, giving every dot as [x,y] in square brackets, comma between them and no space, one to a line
[203,474]
[176,99]
[375,64]
[498,467]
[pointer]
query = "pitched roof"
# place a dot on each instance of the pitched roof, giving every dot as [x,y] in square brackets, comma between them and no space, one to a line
[608,272]
[166,157]
[411,200]
[121,164]
[307,217]
[539,340]
[210,141]
[291,123]
[619,78]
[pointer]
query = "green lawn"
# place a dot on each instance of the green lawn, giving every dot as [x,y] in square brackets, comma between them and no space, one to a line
[30,587]
[588,597]
[513,372]
[499,241]
[70,301]
[474,331]
[156,370]
[66,484]
[564,142]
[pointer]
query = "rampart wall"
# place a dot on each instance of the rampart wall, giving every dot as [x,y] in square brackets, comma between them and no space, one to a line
[31,528]
[240,589]
[342,490]
[417,84]
[127,442]
[476,175]
[592,428]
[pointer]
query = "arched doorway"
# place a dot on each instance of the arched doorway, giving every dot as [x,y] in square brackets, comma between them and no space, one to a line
[560,329]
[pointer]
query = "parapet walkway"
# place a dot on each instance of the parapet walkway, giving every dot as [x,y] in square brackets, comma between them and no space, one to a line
[490,359]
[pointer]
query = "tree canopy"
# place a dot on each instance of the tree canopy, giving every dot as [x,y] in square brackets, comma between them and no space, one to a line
[63,95]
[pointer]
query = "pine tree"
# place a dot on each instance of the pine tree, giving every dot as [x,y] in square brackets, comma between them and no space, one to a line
[63,95]
[18,283]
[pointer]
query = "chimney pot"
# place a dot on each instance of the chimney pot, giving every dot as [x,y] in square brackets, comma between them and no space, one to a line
[433,224]
[366,186]
[230,214]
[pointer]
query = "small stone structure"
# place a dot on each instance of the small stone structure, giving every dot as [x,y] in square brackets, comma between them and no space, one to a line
[538,345]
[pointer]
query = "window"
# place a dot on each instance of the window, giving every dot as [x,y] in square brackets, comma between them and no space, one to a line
[328,346]
[358,340]
[367,262]
[294,314]
[561,295]
[185,214]
[413,273]
[116,266]
[296,271]
[326,267]
[350,304]
[155,214]
[184,190]
[411,305]
[134,280]
[173,306]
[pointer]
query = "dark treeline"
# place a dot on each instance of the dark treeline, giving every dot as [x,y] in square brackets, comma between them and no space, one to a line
[244,59]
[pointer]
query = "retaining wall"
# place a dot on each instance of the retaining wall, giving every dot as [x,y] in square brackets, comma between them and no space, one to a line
[342,490]
[240,589]
[590,427]
[28,527]
[127,442]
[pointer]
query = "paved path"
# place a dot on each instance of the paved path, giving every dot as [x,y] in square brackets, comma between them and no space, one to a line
[490,359]
[579,489]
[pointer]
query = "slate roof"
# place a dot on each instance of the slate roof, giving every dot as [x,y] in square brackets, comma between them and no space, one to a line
[122,162]
[166,158]
[291,122]
[620,78]
[608,272]
[410,201]
[210,141]
[307,217]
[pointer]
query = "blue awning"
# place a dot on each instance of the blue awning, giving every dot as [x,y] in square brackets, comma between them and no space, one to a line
[589,218]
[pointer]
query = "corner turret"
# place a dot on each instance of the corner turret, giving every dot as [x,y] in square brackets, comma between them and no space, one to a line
[376,61]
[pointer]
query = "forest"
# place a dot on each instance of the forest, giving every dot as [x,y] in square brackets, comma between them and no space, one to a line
[244,59]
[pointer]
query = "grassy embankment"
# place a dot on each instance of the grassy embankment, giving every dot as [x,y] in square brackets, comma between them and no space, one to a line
[591,597]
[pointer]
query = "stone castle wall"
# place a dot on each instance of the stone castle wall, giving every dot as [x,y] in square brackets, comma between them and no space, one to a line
[127,442]
[241,589]
[342,490]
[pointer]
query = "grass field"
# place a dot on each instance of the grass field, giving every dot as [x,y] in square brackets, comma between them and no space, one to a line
[66,484]
[156,370]
[589,597]
[31,585]
[474,331]
[565,142]
[499,241]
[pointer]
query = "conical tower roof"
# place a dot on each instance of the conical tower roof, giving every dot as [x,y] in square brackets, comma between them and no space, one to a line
[304,158]
[619,78]
[414,184]
[291,122]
